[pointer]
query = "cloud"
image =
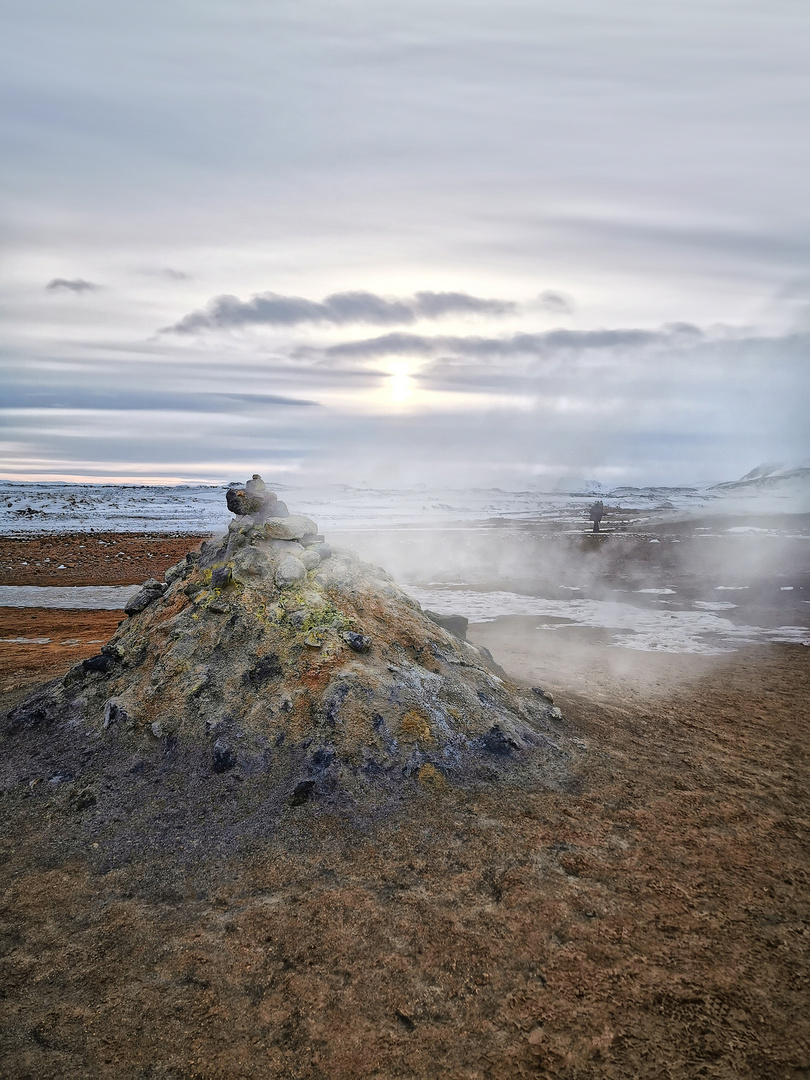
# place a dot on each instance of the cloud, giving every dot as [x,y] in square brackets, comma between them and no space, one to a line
[79,395]
[77,285]
[431,305]
[167,273]
[554,303]
[338,309]
[171,275]
[671,405]
[520,344]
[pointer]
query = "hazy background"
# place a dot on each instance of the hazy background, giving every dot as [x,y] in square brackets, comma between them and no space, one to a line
[470,243]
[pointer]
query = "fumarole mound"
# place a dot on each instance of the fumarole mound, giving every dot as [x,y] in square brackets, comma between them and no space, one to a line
[268,656]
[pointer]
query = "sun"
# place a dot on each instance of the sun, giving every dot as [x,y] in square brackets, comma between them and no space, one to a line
[400,387]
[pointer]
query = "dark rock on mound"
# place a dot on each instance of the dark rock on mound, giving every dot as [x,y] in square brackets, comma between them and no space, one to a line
[497,743]
[101,663]
[224,757]
[151,590]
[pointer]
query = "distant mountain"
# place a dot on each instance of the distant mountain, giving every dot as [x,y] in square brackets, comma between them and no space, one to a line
[580,485]
[764,470]
[776,486]
[768,476]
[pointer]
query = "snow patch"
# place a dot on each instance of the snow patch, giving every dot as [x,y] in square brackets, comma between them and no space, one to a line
[75,597]
[700,632]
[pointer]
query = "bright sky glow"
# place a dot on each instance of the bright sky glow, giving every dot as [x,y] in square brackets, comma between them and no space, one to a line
[400,387]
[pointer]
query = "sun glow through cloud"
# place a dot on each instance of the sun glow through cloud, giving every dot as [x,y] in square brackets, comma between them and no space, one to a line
[417,256]
[400,386]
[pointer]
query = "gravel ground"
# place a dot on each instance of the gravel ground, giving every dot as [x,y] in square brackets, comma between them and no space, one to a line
[651,921]
[84,559]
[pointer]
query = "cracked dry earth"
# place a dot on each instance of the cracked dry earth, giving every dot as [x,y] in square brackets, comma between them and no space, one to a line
[650,921]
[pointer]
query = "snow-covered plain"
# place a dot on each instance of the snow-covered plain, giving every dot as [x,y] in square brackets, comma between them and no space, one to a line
[200,509]
[651,617]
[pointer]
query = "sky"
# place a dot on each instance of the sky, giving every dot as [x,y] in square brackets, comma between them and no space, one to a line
[448,242]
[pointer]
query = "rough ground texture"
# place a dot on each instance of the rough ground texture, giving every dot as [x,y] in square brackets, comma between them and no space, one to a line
[40,643]
[653,924]
[88,559]
[649,917]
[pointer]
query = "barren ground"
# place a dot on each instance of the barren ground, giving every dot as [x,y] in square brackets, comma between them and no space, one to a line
[653,921]
[89,558]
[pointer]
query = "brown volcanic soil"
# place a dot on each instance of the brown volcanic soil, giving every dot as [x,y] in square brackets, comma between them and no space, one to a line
[73,635]
[654,921]
[90,559]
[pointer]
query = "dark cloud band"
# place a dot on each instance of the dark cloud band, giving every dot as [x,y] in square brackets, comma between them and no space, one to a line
[339,309]
[544,344]
[78,285]
[68,396]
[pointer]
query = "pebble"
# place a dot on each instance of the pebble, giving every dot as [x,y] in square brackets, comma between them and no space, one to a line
[100,663]
[114,713]
[310,559]
[497,743]
[176,572]
[152,590]
[241,525]
[224,757]
[280,548]
[303,793]
[220,577]
[251,562]
[359,642]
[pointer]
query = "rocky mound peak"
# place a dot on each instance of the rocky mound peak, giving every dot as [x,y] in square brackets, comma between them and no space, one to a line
[266,652]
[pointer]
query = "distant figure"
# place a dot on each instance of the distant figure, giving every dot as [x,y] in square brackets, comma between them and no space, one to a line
[596,513]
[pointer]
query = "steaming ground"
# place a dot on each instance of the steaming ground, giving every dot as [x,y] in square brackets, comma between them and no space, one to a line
[550,599]
[680,587]
[631,627]
[650,920]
